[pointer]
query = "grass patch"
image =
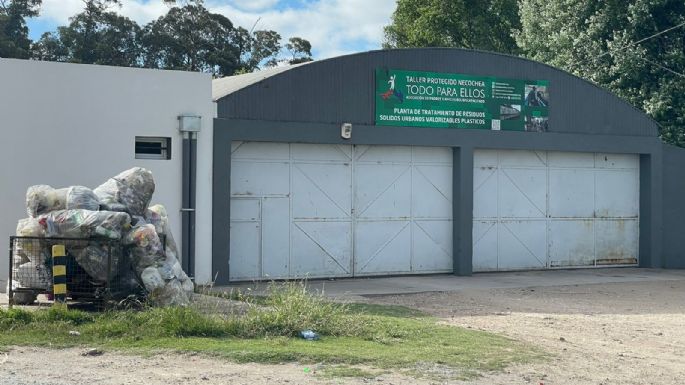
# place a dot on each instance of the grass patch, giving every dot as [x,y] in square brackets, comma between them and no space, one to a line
[344,371]
[351,334]
[386,310]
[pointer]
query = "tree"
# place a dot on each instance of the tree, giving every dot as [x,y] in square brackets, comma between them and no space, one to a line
[14,34]
[188,37]
[300,49]
[476,24]
[265,47]
[94,36]
[599,42]
[49,48]
[193,39]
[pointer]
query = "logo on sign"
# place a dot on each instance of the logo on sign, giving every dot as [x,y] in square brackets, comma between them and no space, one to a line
[392,91]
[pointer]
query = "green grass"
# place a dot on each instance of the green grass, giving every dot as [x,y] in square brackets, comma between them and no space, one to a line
[381,337]
[344,371]
[386,310]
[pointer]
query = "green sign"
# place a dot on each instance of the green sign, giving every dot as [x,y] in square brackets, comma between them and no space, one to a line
[430,99]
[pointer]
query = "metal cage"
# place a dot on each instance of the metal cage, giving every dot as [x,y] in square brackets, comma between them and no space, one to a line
[97,270]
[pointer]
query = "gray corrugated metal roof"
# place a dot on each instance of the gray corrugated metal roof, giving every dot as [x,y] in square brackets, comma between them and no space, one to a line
[230,84]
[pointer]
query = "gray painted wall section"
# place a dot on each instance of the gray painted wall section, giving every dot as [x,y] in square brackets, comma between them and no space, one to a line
[674,207]
[462,210]
[342,90]
[651,208]
[464,142]
[221,202]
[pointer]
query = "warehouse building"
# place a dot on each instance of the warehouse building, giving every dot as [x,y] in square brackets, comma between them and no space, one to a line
[435,161]
[391,162]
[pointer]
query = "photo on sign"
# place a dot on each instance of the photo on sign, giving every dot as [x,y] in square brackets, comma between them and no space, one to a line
[536,95]
[509,111]
[536,123]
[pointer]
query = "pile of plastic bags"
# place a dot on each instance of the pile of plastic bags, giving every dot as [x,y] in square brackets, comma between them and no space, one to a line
[116,210]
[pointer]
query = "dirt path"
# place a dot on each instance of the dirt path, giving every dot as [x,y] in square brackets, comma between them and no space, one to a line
[37,366]
[621,333]
[597,334]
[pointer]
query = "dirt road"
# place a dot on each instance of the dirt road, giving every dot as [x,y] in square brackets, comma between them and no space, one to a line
[37,366]
[619,333]
[623,333]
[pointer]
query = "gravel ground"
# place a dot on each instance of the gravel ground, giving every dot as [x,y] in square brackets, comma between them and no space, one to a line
[36,366]
[620,333]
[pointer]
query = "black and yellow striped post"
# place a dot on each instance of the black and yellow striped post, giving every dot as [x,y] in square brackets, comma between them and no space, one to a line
[59,274]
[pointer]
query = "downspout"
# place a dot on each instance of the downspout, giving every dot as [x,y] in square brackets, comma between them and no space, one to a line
[189,125]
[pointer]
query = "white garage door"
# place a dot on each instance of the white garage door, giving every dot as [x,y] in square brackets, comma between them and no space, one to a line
[339,210]
[537,210]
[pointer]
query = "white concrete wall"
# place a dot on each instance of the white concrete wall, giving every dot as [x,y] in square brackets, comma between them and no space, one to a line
[66,124]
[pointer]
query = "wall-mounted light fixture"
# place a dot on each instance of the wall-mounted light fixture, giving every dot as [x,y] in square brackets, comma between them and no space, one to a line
[189,123]
[346,130]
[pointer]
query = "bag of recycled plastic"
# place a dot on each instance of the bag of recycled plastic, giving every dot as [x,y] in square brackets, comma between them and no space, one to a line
[79,197]
[171,270]
[96,261]
[29,249]
[42,199]
[188,286]
[146,247]
[172,294]
[33,275]
[85,224]
[130,191]
[156,215]
[29,227]
[151,278]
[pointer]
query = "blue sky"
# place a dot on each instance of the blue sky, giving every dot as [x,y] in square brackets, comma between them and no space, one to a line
[334,27]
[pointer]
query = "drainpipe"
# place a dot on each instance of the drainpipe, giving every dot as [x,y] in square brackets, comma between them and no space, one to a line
[189,125]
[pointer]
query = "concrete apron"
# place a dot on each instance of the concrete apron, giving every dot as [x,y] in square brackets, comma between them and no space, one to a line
[352,288]
[359,287]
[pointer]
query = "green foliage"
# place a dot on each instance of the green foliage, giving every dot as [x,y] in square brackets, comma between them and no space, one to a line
[476,24]
[591,39]
[595,40]
[188,37]
[351,335]
[12,318]
[344,371]
[95,36]
[192,38]
[14,34]
[290,308]
[300,49]
[16,318]
[62,314]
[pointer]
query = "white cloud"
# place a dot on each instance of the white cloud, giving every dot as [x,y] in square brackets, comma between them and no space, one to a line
[142,11]
[334,27]
[59,11]
[254,5]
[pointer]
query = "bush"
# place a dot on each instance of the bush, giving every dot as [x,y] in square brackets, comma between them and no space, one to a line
[185,322]
[290,308]
[287,309]
[14,317]
[62,314]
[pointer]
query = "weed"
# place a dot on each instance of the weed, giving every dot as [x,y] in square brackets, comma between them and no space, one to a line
[346,372]
[352,334]
[290,308]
